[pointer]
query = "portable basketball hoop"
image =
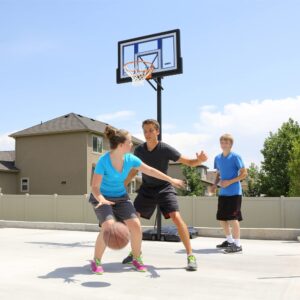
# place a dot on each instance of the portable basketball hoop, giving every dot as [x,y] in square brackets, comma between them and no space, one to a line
[139,71]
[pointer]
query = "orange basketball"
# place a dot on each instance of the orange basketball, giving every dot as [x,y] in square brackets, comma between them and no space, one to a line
[116,236]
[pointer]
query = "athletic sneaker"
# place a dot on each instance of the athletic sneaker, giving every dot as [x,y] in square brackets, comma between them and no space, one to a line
[192,263]
[128,259]
[139,265]
[225,245]
[233,249]
[96,266]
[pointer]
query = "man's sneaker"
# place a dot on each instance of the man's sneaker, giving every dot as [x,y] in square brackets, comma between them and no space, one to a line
[192,263]
[225,245]
[139,265]
[96,266]
[233,249]
[128,259]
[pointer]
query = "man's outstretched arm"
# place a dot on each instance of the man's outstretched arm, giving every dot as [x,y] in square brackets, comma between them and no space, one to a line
[194,162]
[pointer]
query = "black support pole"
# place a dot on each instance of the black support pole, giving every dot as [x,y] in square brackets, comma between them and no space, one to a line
[159,90]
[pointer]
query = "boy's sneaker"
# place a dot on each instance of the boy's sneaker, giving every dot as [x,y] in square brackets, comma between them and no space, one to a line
[139,265]
[233,249]
[225,245]
[192,263]
[96,266]
[128,259]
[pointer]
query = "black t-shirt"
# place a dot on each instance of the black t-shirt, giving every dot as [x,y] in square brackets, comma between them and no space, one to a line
[158,158]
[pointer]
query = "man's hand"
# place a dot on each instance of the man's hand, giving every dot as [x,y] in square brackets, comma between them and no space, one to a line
[202,157]
[180,184]
[213,188]
[225,183]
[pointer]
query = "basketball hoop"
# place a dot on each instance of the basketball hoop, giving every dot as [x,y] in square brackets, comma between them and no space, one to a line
[139,71]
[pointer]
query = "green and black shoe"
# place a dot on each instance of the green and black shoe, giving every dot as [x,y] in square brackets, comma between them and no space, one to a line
[192,263]
[128,259]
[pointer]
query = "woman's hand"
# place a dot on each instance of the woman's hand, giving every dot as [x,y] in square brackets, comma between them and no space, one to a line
[180,184]
[103,201]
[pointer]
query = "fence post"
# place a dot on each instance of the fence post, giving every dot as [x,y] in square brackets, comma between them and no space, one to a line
[282,212]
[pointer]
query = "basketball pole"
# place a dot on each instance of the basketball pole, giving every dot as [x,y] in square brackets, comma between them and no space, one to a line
[158,88]
[158,91]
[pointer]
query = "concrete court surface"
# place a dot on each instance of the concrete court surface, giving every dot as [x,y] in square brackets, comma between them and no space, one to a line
[50,264]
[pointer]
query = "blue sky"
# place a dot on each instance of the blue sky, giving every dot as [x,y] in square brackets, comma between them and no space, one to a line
[238,56]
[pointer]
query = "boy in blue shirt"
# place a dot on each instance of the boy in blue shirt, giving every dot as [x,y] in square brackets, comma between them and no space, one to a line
[230,171]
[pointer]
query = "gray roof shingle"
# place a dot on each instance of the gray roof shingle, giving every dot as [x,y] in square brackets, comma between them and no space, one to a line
[7,161]
[66,123]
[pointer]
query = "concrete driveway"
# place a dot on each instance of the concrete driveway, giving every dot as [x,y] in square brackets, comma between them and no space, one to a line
[54,264]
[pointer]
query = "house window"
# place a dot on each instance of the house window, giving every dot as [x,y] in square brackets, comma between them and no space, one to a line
[97,144]
[24,185]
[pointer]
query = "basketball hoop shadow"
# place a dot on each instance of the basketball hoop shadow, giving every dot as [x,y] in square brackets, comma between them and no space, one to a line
[202,251]
[153,271]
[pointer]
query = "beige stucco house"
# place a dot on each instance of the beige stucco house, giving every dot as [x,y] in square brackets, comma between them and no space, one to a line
[54,157]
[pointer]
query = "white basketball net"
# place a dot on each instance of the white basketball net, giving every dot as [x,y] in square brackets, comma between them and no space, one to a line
[139,71]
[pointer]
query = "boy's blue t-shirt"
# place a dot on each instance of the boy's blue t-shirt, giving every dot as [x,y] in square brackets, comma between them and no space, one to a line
[113,181]
[229,167]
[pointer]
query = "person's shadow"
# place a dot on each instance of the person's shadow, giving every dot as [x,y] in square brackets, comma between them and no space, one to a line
[68,274]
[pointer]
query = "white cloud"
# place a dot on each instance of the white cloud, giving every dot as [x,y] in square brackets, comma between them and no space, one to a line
[116,116]
[6,142]
[249,123]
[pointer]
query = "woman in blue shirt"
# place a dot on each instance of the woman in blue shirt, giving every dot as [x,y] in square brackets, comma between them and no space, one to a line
[109,197]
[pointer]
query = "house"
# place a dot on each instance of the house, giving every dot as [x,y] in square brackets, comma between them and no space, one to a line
[55,157]
[8,172]
[175,170]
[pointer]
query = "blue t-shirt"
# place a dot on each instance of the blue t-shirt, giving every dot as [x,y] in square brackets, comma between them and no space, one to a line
[113,181]
[229,167]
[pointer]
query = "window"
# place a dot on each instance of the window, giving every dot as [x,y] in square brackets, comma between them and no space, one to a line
[97,144]
[24,185]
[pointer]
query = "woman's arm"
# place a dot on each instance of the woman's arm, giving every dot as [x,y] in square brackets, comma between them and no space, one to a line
[96,184]
[159,175]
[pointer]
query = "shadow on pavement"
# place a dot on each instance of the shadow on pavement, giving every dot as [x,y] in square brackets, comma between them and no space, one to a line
[203,251]
[279,277]
[67,245]
[96,284]
[67,273]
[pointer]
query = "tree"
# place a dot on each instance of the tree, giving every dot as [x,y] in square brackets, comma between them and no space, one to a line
[277,151]
[294,169]
[195,187]
[253,181]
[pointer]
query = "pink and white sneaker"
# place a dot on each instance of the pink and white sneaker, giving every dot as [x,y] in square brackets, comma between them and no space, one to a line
[96,266]
[139,265]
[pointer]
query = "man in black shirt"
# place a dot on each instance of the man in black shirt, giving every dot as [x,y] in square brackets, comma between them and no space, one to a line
[155,192]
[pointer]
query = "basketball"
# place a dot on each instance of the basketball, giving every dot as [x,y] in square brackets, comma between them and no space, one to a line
[116,236]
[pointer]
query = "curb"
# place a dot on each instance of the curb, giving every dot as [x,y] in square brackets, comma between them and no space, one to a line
[290,234]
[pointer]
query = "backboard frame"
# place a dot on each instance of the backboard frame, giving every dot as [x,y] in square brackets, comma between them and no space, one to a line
[121,77]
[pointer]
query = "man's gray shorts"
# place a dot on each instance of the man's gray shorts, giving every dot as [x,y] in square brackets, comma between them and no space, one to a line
[121,211]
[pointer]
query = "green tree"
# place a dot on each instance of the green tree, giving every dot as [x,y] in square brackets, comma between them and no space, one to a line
[277,151]
[253,181]
[195,187]
[294,169]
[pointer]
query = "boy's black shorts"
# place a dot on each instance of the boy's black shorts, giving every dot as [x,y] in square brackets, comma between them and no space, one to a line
[229,208]
[149,197]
